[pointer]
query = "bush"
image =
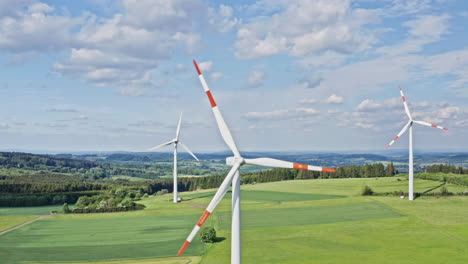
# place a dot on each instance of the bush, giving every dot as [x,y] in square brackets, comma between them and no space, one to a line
[66,209]
[208,234]
[366,190]
[444,191]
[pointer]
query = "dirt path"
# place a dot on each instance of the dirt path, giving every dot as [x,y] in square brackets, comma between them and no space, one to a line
[23,224]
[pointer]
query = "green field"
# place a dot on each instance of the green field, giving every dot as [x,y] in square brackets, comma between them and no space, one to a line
[10,221]
[302,221]
[34,210]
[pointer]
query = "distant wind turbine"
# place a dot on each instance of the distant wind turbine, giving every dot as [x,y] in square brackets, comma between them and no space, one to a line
[176,141]
[234,177]
[410,126]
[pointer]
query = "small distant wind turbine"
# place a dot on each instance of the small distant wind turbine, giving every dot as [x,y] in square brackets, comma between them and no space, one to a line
[410,126]
[234,177]
[176,141]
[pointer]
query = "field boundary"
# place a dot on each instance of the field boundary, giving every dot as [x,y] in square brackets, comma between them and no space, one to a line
[23,224]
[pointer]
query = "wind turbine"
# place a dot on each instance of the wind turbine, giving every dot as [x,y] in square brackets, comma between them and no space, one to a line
[410,126]
[176,141]
[234,177]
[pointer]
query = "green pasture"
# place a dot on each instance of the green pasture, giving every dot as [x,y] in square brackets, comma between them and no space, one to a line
[264,196]
[82,239]
[33,210]
[10,221]
[302,221]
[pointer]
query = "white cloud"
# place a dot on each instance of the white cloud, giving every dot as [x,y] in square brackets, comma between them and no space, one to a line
[216,76]
[223,19]
[206,66]
[256,79]
[303,27]
[35,30]
[311,81]
[282,114]
[364,125]
[308,101]
[335,99]
[120,51]
[422,31]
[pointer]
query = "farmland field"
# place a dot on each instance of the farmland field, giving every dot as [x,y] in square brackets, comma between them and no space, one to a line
[302,221]
[33,210]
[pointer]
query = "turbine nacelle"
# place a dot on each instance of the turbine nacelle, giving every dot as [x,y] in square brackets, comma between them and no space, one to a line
[230,161]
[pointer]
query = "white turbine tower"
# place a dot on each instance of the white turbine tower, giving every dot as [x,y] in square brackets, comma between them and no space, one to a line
[176,141]
[234,177]
[410,126]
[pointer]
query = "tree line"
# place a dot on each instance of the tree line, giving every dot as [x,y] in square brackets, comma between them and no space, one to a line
[446,168]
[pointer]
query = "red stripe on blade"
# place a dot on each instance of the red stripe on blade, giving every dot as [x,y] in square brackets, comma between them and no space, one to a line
[404,99]
[445,128]
[300,166]
[196,66]
[395,139]
[433,125]
[182,249]
[210,97]
[203,218]
[328,170]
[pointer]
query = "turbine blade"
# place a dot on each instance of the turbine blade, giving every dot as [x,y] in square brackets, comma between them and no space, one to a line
[162,145]
[178,127]
[209,210]
[223,128]
[399,134]
[188,150]
[430,125]
[268,162]
[405,104]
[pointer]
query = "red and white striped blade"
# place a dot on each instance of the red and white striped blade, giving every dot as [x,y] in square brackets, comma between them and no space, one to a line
[405,104]
[223,128]
[268,162]
[399,134]
[430,125]
[209,210]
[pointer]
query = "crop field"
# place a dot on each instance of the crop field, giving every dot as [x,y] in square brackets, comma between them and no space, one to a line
[10,221]
[33,210]
[302,221]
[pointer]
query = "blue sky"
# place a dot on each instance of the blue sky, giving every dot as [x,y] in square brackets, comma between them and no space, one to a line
[290,75]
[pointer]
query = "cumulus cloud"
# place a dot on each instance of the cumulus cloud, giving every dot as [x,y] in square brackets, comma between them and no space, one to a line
[282,114]
[206,66]
[119,51]
[256,79]
[223,18]
[302,27]
[35,29]
[335,99]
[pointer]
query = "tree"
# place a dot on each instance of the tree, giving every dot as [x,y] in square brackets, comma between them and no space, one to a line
[390,170]
[208,234]
[366,190]
[66,209]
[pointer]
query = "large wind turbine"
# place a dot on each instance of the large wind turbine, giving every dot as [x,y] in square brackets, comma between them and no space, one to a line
[176,141]
[410,126]
[234,177]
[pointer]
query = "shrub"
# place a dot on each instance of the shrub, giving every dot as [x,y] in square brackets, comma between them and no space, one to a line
[366,190]
[66,209]
[444,191]
[208,234]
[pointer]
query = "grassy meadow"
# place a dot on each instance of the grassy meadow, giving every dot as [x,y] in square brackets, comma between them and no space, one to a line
[302,221]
